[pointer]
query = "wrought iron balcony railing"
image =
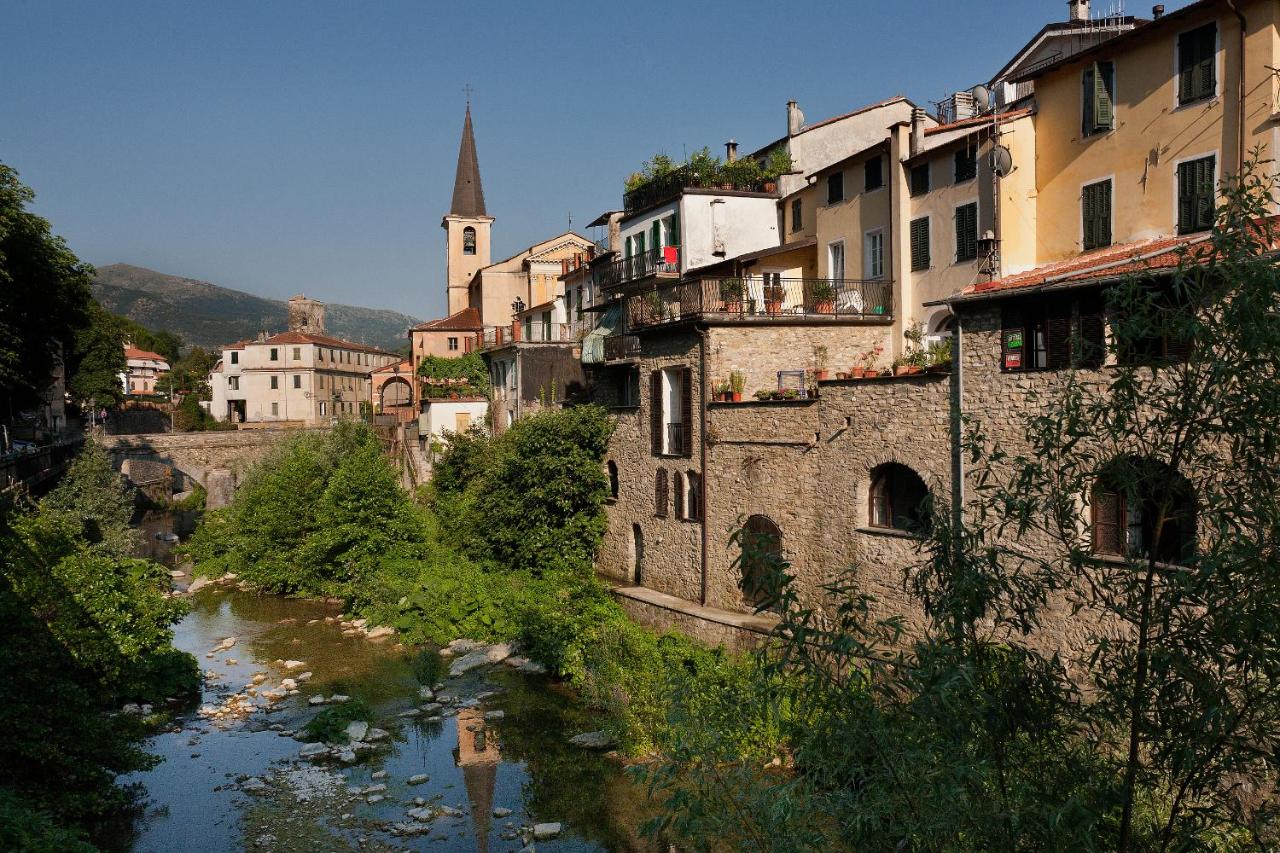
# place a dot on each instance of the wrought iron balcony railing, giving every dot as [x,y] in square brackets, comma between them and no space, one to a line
[762,299]
[621,347]
[663,262]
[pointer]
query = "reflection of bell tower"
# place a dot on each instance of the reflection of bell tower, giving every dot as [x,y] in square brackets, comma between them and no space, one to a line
[478,756]
[466,225]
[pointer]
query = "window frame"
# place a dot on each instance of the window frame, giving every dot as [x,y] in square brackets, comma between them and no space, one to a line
[797,215]
[837,175]
[1216,89]
[928,242]
[844,261]
[971,157]
[452,344]
[297,380]
[469,246]
[1088,116]
[275,383]
[925,169]
[1178,165]
[873,254]
[1081,345]
[868,172]
[965,259]
[274,355]
[880,494]
[1085,245]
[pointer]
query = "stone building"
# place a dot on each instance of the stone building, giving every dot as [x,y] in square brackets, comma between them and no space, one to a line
[143,369]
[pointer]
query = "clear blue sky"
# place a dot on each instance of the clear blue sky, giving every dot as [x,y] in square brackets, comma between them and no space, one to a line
[283,147]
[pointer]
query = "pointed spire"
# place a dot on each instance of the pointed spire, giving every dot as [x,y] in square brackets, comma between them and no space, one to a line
[468,195]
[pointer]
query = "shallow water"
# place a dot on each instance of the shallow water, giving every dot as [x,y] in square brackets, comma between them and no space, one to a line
[194,798]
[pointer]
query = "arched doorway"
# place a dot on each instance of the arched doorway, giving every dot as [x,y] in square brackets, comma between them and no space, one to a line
[636,554]
[760,562]
[396,393]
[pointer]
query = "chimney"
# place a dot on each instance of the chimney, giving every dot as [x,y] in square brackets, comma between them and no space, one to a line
[1157,11]
[917,130]
[795,118]
[730,151]
[1079,10]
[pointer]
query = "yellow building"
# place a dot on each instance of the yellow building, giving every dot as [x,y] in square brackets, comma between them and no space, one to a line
[1133,135]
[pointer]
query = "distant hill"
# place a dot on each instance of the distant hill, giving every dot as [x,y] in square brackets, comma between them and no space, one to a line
[210,316]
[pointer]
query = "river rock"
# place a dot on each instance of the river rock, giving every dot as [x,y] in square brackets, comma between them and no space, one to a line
[317,700]
[593,740]
[346,756]
[177,573]
[302,676]
[225,644]
[339,698]
[424,814]
[431,708]
[412,712]
[378,774]
[426,694]
[197,585]
[382,632]
[313,750]
[376,735]
[500,812]
[253,785]
[288,684]
[374,789]
[545,831]
[294,664]
[356,730]
[418,779]
[494,715]
[461,646]
[468,662]
[376,798]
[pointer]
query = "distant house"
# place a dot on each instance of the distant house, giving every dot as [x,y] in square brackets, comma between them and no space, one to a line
[144,369]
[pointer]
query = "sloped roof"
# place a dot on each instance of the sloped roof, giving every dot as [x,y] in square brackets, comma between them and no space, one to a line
[134,352]
[466,320]
[320,340]
[468,194]
[402,366]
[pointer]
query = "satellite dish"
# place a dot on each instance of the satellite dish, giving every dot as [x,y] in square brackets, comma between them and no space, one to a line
[981,98]
[1001,161]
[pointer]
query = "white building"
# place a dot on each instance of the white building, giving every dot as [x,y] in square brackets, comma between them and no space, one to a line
[294,377]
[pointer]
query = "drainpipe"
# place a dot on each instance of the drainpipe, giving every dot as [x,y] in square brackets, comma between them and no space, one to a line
[703,335]
[1231,4]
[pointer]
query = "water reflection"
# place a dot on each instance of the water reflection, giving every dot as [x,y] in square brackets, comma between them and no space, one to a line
[478,756]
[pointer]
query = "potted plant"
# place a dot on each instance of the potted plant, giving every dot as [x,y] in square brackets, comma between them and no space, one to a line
[764,394]
[731,291]
[867,362]
[773,296]
[737,383]
[938,356]
[653,306]
[823,295]
[820,372]
[900,366]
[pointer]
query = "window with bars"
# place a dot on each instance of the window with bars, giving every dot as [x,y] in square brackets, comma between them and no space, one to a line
[671,412]
[1098,98]
[1095,209]
[920,244]
[1195,195]
[1197,72]
[873,171]
[920,179]
[966,164]
[967,232]
[1053,333]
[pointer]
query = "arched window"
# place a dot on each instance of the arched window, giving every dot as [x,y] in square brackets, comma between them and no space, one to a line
[1141,507]
[661,494]
[637,553]
[761,559]
[677,483]
[693,497]
[468,240]
[613,479]
[897,498]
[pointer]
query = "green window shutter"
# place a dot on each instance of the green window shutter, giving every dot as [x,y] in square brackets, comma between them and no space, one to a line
[967,232]
[920,245]
[656,231]
[1186,68]
[1196,63]
[1103,87]
[1204,193]
[1208,37]
[1088,100]
[1096,210]
[1195,195]
[1186,200]
[675,228]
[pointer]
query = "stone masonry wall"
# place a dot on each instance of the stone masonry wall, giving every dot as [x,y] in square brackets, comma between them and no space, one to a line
[670,547]
[760,352]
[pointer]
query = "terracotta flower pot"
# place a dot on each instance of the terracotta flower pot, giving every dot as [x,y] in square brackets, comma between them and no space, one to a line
[901,370]
[823,375]
[773,307]
[736,396]
[825,306]
[857,372]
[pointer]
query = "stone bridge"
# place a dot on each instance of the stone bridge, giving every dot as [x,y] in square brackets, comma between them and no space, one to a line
[166,462]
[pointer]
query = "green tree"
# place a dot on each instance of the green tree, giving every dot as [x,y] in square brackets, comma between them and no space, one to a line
[97,359]
[44,297]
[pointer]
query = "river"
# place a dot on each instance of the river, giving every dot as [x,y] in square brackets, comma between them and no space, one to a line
[501,773]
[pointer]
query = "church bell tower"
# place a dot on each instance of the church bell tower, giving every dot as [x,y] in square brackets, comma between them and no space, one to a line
[466,224]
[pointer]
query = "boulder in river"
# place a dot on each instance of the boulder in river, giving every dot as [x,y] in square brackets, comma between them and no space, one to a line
[197,585]
[339,698]
[501,812]
[317,700]
[418,779]
[313,750]
[545,831]
[356,730]
[593,740]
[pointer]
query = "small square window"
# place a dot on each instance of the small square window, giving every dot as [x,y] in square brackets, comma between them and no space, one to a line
[966,164]
[297,353]
[275,354]
[235,358]
[874,173]
[835,187]
[920,179]
[453,343]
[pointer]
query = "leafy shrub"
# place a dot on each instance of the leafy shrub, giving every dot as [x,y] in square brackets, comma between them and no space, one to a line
[27,829]
[330,725]
[429,667]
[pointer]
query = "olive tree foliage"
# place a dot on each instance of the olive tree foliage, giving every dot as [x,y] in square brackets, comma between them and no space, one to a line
[1157,726]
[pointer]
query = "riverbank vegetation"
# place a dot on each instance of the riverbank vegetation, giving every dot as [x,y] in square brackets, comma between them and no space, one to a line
[87,628]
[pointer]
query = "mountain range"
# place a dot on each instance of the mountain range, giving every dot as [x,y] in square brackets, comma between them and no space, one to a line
[210,316]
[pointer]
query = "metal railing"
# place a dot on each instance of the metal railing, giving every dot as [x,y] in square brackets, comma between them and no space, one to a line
[760,298]
[495,337]
[666,187]
[675,439]
[553,333]
[662,261]
[619,347]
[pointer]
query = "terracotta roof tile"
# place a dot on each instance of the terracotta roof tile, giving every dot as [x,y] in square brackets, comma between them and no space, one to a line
[134,352]
[321,340]
[466,320]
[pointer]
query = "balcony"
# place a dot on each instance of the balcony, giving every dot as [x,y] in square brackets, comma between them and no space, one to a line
[621,347]
[662,262]
[675,439]
[670,185]
[758,299]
